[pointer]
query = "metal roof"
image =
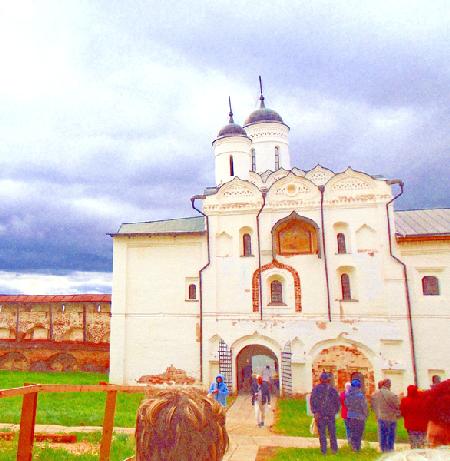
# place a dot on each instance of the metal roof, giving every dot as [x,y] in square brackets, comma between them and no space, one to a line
[423,222]
[85,298]
[194,224]
[409,222]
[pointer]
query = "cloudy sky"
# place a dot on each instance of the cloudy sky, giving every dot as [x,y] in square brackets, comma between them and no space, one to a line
[108,110]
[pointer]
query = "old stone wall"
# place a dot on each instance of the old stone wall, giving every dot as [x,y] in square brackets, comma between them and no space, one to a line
[63,333]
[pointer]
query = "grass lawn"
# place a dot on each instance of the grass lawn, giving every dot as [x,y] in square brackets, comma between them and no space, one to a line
[122,446]
[68,408]
[292,420]
[314,454]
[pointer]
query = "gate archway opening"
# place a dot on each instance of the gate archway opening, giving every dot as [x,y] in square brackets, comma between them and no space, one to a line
[251,361]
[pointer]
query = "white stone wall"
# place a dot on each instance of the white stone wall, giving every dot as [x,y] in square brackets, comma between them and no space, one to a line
[430,314]
[237,147]
[153,326]
[265,138]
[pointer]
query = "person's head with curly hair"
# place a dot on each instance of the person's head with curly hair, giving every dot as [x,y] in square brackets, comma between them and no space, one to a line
[180,425]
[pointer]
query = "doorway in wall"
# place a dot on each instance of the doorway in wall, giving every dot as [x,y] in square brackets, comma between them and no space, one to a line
[345,363]
[250,361]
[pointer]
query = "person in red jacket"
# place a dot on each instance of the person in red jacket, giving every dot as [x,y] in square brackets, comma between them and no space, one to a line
[344,410]
[437,404]
[415,416]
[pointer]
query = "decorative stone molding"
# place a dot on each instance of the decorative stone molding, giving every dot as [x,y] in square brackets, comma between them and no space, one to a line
[276,264]
[350,184]
[319,175]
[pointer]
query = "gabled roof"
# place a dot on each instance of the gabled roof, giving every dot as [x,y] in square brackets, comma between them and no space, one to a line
[84,298]
[193,225]
[422,222]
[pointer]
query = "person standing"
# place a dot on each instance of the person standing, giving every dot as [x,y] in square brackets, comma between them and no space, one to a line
[219,390]
[259,400]
[325,405]
[435,380]
[437,405]
[386,406]
[266,376]
[342,397]
[357,413]
[415,419]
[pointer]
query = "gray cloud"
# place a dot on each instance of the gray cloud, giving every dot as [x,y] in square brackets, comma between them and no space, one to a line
[108,109]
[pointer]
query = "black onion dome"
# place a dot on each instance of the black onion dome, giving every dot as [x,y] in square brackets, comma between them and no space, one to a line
[263,115]
[232,129]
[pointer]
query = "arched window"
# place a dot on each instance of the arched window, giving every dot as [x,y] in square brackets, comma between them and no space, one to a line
[231,166]
[341,243]
[345,287]
[430,285]
[247,245]
[192,291]
[295,235]
[277,158]
[253,160]
[276,292]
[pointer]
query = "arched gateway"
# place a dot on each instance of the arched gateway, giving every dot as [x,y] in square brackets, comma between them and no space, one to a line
[252,359]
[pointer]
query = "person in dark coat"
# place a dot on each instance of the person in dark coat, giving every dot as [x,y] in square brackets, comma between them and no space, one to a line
[325,405]
[415,419]
[357,413]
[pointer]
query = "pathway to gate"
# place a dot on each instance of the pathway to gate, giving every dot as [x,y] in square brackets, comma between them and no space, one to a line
[246,437]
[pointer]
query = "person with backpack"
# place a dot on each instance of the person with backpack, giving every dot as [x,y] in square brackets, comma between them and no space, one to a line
[325,405]
[357,413]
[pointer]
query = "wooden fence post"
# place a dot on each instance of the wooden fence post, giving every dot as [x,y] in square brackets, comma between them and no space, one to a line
[108,425]
[27,421]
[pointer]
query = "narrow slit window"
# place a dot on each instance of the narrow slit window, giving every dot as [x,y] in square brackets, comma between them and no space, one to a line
[341,243]
[253,160]
[345,286]
[430,285]
[192,291]
[231,166]
[277,158]
[247,245]
[276,292]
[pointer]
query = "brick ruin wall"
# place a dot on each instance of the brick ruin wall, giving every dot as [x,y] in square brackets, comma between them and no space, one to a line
[345,363]
[46,337]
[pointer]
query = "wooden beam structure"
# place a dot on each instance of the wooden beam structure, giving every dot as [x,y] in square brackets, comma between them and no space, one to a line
[108,425]
[27,421]
[29,407]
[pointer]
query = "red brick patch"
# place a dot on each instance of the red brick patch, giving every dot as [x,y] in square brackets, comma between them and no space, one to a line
[278,265]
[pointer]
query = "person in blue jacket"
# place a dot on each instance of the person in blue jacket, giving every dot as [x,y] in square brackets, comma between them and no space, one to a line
[219,390]
[357,413]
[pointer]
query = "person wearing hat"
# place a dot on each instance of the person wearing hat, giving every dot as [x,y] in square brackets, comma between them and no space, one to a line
[325,405]
[357,413]
[386,406]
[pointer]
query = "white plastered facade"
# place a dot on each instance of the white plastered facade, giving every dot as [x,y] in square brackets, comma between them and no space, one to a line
[155,325]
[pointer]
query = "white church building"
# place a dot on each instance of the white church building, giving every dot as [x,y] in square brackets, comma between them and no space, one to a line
[302,270]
